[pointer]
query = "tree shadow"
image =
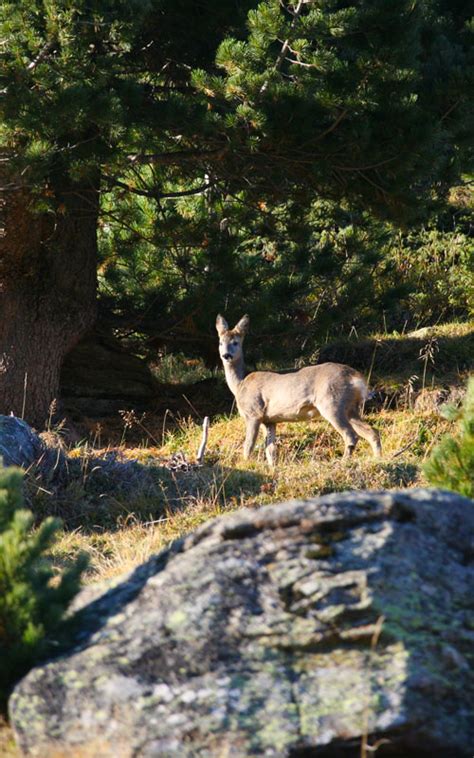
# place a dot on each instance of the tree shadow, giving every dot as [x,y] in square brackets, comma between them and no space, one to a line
[110,489]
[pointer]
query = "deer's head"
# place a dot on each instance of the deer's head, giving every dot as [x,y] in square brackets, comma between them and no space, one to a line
[231,340]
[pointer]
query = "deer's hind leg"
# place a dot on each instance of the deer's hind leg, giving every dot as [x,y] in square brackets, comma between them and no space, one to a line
[252,425]
[339,420]
[364,430]
[270,444]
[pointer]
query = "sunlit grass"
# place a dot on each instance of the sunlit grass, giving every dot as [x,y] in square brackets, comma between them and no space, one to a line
[8,749]
[451,329]
[135,525]
[122,516]
[176,368]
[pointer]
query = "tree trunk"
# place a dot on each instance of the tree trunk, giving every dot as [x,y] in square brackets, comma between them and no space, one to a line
[48,263]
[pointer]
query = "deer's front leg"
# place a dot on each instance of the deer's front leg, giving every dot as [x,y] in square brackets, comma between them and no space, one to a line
[252,425]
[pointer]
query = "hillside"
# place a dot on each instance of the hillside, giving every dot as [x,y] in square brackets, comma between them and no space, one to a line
[133,485]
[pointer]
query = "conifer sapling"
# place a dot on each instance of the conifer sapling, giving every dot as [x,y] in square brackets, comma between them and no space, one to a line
[33,599]
[451,464]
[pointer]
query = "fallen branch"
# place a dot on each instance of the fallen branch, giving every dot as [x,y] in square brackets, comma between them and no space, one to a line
[202,446]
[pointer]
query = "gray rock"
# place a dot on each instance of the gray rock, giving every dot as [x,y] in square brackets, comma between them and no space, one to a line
[21,446]
[294,630]
[433,400]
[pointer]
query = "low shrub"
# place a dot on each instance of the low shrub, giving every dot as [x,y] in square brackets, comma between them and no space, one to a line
[451,464]
[33,598]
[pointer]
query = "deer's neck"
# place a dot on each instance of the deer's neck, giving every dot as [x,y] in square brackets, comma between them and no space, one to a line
[234,374]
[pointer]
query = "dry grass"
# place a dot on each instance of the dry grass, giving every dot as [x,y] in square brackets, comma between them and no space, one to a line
[121,516]
[130,526]
[428,357]
[121,523]
[8,748]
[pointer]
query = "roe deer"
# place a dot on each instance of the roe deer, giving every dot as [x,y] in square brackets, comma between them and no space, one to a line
[266,398]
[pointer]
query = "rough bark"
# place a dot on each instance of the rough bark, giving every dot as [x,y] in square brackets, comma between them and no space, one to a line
[307,628]
[48,266]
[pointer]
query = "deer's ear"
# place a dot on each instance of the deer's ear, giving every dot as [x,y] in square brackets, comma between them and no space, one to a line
[243,325]
[221,324]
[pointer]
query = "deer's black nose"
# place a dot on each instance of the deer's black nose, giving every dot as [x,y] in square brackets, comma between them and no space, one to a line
[227,356]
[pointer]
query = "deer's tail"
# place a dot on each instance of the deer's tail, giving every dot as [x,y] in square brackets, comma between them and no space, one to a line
[360,385]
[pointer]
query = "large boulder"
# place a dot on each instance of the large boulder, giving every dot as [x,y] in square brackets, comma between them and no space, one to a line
[307,628]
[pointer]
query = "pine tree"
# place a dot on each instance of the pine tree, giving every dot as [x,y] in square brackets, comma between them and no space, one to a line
[89,89]
[365,104]
[201,256]
[451,464]
[31,604]
[368,101]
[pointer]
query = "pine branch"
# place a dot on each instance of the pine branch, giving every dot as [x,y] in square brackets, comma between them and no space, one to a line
[45,50]
[333,126]
[300,63]
[155,194]
[370,167]
[285,46]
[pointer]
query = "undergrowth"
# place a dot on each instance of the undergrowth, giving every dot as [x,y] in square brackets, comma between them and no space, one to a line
[32,601]
[451,464]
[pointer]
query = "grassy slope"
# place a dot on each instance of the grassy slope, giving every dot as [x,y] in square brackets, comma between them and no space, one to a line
[123,528]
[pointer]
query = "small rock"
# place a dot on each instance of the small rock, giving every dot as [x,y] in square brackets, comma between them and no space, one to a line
[21,446]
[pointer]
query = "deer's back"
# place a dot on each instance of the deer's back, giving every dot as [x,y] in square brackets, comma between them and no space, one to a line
[296,395]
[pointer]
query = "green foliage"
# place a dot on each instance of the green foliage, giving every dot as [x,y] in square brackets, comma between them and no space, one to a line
[86,83]
[368,102]
[435,262]
[363,101]
[436,267]
[303,274]
[452,462]
[32,599]
[239,171]
[168,271]
[361,116]
[64,101]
